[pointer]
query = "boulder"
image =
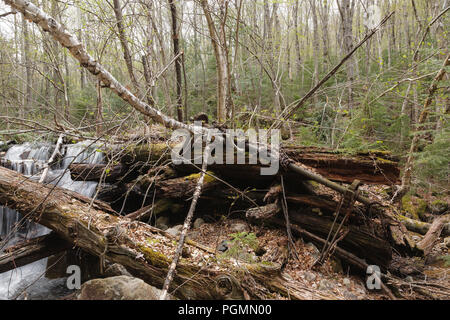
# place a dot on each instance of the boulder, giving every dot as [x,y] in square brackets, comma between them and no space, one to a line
[117,288]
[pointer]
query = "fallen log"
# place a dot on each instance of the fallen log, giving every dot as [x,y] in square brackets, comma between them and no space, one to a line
[351,259]
[360,240]
[421,227]
[143,250]
[432,236]
[373,167]
[31,250]
[363,241]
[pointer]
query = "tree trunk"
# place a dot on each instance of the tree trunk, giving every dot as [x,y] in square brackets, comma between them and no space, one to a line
[176,51]
[217,39]
[124,43]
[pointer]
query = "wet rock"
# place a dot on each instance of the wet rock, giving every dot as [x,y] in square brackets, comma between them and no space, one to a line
[336,265]
[175,231]
[163,227]
[118,288]
[198,222]
[239,227]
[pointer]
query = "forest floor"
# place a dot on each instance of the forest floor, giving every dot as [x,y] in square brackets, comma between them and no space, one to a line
[330,280]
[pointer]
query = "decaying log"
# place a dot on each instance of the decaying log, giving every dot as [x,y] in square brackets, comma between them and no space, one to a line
[373,167]
[432,235]
[422,227]
[342,254]
[362,241]
[144,251]
[31,250]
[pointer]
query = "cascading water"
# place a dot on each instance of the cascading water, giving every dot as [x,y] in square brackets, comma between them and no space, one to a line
[29,159]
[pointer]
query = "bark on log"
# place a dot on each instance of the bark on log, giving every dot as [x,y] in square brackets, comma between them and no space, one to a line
[31,250]
[143,250]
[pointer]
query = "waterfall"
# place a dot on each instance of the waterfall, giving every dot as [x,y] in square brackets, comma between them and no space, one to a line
[29,159]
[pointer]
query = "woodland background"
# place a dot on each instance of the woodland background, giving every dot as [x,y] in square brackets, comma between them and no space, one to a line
[242,62]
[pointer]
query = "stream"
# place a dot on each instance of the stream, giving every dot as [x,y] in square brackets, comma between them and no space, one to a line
[29,281]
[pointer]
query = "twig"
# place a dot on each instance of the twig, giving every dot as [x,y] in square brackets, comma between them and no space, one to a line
[288,224]
[186,227]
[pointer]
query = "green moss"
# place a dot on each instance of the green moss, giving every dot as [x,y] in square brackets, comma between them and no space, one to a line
[157,259]
[382,160]
[208,177]
[151,241]
[413,206]
[446,259]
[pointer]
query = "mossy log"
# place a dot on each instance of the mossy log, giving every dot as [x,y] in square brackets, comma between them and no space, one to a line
[143,250]
[422,227]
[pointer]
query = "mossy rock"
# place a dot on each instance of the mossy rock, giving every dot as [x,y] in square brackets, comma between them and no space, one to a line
[414,207]
[438,206]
